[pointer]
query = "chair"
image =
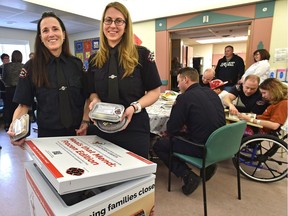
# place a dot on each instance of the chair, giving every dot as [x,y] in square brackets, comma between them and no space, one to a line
[222,144]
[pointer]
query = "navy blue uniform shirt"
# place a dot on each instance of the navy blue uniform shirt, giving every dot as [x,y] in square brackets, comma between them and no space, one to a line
[48,110]
[200,110]
[253,103]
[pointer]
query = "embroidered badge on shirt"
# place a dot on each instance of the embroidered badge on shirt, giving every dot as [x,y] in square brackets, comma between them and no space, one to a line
[151,57]
[23,73]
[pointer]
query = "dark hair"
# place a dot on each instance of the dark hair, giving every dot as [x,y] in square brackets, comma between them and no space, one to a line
[4,55]
[189,72]
[264,54]
[42,54]
[229,46]
[17,56]
[277,89]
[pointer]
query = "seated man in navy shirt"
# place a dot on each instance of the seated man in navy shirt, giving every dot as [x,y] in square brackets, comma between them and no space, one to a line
[196,113]
[249,96]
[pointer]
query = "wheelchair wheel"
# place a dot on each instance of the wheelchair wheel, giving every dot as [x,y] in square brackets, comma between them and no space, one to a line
[263,158]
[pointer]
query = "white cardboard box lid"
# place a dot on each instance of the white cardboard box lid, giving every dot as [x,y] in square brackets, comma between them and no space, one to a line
[52,203]
[78,163]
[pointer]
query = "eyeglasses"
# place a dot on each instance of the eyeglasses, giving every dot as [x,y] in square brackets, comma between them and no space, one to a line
[118,21]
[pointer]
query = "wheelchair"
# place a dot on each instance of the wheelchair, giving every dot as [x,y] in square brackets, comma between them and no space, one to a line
[263,157]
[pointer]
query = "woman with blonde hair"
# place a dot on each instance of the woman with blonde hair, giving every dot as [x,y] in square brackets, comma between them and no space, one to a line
[134,81]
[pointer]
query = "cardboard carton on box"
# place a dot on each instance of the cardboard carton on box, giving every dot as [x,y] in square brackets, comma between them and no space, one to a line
[134,197]
[78,163]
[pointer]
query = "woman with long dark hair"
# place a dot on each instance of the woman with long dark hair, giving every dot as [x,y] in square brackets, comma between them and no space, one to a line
[55,78]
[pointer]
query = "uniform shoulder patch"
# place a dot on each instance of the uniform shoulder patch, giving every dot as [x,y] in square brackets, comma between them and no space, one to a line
[23,73]
[151,57]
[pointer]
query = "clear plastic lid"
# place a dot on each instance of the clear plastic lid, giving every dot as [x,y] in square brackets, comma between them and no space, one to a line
[21,127]
[107,112]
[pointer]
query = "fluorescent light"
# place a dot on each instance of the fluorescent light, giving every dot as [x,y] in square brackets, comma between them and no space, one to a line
[222,40]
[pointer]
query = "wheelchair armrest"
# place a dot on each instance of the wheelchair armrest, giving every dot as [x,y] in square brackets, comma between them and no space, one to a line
[189,142]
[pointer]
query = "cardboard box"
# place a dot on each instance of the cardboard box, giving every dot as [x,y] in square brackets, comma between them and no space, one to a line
[134,198]
[78,163]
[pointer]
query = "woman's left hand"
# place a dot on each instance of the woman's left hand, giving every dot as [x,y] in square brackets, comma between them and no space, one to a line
[129,111]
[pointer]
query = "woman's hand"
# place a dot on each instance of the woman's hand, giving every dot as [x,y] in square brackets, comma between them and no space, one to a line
[82,131]
[93,102]
[19,143]
[243,116]
[129,111]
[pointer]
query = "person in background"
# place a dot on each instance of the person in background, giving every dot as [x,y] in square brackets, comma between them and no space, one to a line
[208,76]
[5,59]
[138,80]
[275,115]
[39,78]
[31,55]
[261,67]
[189,120]
[217,86]
[249,96]
[230,68]
[175,67]
[10,78]
[32,111]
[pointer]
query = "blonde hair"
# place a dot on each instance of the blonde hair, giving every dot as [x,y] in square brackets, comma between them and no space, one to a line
[128,54]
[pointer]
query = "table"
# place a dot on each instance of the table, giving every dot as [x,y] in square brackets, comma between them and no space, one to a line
[235,119]
[159,113]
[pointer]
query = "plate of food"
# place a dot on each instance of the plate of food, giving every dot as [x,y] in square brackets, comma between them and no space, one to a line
[169,95]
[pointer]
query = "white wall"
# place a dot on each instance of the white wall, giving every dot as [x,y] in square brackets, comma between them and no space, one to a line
[14,36]
[279,37]
[146,32]
[206,52]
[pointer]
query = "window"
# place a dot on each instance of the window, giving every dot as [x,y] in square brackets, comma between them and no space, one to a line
[9,46]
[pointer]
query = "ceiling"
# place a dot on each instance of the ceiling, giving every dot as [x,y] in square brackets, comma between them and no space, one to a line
[189,37]
[18,14]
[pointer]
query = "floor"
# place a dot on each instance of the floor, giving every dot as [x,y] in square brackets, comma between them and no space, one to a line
[257,198]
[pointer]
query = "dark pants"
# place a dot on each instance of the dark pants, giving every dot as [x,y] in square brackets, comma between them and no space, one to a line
[9,105]
[136,142]
[56,133]
[162,149]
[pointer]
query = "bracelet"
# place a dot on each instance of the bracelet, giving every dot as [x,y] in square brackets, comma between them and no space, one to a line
[85,122]
[137,106]
[133,108]
[258,122]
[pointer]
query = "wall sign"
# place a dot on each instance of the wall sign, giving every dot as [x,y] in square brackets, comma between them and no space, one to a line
[85,48]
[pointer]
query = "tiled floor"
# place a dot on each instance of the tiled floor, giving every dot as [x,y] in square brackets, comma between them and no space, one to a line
[257,198]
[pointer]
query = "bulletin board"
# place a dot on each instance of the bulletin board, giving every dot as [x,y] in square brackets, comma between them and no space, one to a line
[85,48]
